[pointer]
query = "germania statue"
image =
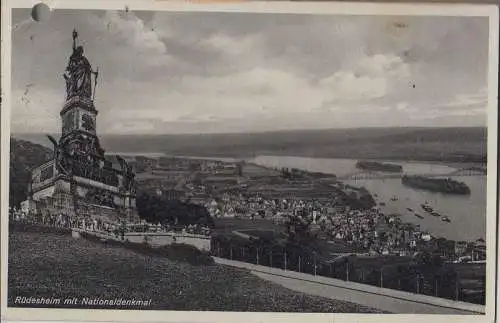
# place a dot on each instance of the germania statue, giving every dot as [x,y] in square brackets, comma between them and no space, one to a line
[78,74]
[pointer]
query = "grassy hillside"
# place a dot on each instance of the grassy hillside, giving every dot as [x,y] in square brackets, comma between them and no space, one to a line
[24,156]
[50,265]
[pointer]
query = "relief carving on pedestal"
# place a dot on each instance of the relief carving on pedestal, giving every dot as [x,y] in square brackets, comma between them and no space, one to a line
[100,197]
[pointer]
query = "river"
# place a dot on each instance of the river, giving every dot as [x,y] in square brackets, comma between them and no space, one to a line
[467,213]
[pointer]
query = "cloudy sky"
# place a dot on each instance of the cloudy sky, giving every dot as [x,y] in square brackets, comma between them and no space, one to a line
[194,72]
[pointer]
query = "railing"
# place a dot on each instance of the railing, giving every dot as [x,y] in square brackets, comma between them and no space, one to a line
[168,233]
[386,300]
[447,285]
[90,226]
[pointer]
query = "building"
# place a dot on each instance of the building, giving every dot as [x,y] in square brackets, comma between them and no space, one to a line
[80,180]
[460,248]
[478,252]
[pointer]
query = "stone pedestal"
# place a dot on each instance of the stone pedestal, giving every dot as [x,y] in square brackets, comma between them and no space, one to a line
[80,180]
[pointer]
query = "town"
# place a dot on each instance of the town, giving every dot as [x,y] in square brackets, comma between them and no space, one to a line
[213,224]
[276,206]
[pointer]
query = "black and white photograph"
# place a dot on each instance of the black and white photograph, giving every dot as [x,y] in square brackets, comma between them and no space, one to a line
[273,158]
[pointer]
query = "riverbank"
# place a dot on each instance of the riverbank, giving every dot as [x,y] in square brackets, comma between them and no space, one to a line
[253,157]
[467,213]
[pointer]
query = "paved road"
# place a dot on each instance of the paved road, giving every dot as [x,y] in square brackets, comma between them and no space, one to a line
[374,297]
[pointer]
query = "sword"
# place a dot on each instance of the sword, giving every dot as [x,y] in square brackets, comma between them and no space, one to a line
[96,73]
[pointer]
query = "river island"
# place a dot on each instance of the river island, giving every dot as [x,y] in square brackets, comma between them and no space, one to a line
[376,166]
[441,185]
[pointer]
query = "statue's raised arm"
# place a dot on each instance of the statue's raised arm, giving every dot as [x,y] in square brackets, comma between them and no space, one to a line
[75,36]
[78,74]
[96,74]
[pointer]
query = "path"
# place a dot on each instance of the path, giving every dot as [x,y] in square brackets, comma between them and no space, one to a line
[392,301]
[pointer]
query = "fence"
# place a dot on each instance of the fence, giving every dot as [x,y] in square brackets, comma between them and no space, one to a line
[445,284]
[117,232]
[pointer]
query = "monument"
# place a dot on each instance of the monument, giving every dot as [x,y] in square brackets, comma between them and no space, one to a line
[80,180]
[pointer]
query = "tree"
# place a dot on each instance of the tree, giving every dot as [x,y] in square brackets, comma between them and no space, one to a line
[196,178]
[24,156]
[431,268]
[404,273]
[156,209]
[298,229]
[239,169]
[447,282]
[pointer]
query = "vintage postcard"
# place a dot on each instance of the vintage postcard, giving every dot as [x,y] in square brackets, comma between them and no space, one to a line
[251,162]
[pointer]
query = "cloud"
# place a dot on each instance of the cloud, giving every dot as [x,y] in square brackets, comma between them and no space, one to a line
[235,47]
[349,86]
[129,28]
[463,105]
[371,77]
[130,39]
[194,72]
[402,106]
[388,66]
[437,114]
[36,103]
[467,100]
[268,94]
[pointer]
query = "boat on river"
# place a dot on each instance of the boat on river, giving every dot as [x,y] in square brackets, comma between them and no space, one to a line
[446,219]
[427,208]
[411,210]
[418,216]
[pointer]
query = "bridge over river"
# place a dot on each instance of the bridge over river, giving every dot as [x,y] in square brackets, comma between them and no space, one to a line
[366,174]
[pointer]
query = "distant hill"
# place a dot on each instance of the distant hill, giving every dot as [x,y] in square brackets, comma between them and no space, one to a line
[418,144]
[24,156]
[437,135]
[422,144]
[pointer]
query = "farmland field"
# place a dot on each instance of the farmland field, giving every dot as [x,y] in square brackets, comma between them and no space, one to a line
[253,170]
[56,265]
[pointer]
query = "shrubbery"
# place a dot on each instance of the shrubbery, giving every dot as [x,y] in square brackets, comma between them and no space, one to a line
[24,156]
[157,209]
